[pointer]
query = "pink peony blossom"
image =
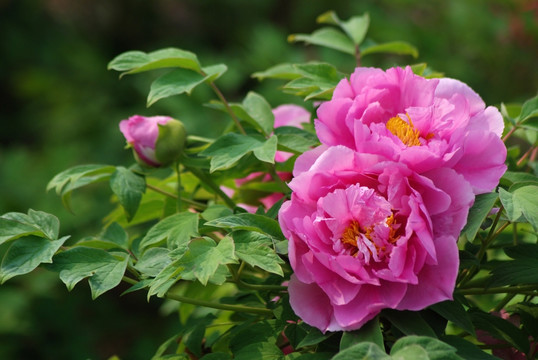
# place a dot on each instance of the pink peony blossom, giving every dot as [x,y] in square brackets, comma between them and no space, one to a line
[366,233]
[423,123]
[141,133]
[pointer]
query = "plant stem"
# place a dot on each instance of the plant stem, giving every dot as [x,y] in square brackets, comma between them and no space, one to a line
[508,134]
[209,182]
[258,287]
[228,307]
[195,204]
[179,187]
[485,244]
[277,179]
[516,289]
[228,108]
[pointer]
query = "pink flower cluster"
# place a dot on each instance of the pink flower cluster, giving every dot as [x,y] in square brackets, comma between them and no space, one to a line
[377,209]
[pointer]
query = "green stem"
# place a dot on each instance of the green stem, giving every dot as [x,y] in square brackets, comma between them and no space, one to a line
[259,287]
[129,280]
[228,108]
[195,204]
[503,302]
[277,179]
[517,289]
[228,307]
[179,187]
[209,182]
[482,251]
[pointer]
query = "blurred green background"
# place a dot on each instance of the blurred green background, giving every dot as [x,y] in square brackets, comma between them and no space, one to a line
[60,107]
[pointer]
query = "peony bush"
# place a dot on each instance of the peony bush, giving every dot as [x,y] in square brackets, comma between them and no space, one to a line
[396,224]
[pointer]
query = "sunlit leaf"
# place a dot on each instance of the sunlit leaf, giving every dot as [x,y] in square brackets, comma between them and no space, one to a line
[393,47]
[477,214]
[327,37]
[137,61]
[129,188]
[25,254]
[175,230]
[259,109]
[356,27]
[78,176]
[104,270]
[14,225]
[256,250]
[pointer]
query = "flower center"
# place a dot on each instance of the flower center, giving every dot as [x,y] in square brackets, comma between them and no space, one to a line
[403,130]
[373,241]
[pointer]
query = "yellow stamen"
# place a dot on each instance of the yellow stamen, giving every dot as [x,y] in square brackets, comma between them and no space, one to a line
[406,132]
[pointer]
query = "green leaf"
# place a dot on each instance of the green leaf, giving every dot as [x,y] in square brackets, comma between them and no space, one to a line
[267,151]
[259,109]
[104,270]
[67,181]
[409,322]
[313,337]
[466,349]
[434,348]
[528,110]
[165,279]
[129,188]
[176,230]
[14,225]
[501,329]
[362,351]
[204,257]
[411,352]
[356,27]
[369,332]
[513,177]
[295,140]
[327,37]
[251,222]
[454,311]
[227,150]
[393,47]
[520,271]
[137,61]
[318,81]
[255,249]
[181,81]
[481,208]
[24,255]
[114,233]
[281,71]
[216,211]
[264,350]
[522,200]
[153,261]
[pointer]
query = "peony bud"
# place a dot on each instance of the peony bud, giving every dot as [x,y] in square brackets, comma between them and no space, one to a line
[156,140]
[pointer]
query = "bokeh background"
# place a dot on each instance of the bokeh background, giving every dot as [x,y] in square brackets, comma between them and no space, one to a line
[60,107]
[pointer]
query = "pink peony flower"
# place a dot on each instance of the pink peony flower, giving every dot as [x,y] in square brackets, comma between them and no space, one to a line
[423,123]
[367,234]
[143,133]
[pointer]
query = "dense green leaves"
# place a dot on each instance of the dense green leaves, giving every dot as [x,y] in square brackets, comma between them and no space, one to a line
[369,332]
[175,230]
[104,270]
[295,140]
[67,181]
[252,222]
[256,250]
[227,150]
